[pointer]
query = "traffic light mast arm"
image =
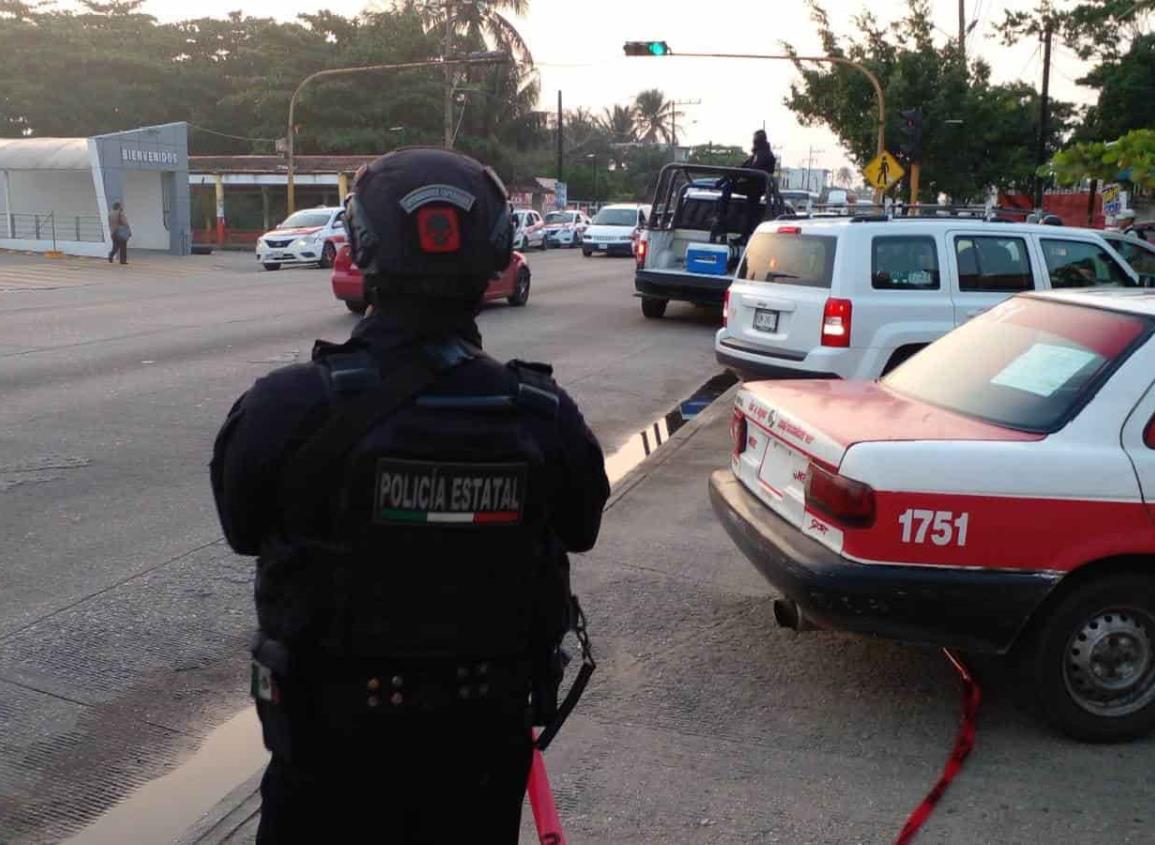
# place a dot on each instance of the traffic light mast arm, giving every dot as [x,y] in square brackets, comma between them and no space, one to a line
[632,50]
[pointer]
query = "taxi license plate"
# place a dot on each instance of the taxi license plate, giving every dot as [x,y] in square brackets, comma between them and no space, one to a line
[765,320]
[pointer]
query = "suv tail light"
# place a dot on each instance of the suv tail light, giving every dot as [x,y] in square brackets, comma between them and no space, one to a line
[738,433]
[641,247]
[726,308]
[843,498]
[836,322]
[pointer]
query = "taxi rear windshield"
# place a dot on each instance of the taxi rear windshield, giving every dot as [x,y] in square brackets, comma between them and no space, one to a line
[1027,364]
[789,259]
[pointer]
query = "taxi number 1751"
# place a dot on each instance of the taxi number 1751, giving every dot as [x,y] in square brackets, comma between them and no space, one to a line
[943,527]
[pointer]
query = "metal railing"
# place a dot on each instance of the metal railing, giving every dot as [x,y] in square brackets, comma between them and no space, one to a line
[52,227]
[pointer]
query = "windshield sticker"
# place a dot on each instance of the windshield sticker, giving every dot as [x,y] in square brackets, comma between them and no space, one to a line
[1043,368]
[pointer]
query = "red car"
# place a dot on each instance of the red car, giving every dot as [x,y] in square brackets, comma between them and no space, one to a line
[511,284]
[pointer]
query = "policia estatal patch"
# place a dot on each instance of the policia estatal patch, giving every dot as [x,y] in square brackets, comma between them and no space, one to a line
[432,493]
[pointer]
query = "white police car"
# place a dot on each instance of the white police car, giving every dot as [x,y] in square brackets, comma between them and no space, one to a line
[310,236]
[995,492]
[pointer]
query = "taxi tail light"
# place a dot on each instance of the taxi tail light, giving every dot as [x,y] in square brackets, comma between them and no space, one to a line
[738,433]
[641,247]
[845,499]
[836,319]
[1149,434]
[726,308]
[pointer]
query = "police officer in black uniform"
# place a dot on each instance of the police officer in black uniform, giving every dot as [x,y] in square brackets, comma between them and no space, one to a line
[411,501]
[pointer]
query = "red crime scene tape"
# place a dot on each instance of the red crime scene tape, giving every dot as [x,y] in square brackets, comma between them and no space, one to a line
[545,815]
[964,742]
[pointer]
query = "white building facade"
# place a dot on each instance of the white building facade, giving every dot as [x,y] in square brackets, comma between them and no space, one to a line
[56,193]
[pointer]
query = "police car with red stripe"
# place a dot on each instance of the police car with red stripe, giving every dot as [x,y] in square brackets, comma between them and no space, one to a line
[995,493]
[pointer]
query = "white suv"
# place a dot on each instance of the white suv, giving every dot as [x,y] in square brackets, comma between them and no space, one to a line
[847,298]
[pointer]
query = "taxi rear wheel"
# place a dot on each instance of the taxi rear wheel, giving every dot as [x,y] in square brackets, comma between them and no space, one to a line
[1092,660]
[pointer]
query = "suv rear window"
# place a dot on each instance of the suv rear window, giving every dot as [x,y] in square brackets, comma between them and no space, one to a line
[993,264]
[789,259]
[904,262]
[1027,364]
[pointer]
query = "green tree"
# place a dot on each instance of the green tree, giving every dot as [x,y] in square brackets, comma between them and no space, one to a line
[620,124]
[1130,158]
[654,116]
[1125,85]
[976,134]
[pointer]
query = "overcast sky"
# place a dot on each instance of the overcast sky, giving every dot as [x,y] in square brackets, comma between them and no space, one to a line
[577,45]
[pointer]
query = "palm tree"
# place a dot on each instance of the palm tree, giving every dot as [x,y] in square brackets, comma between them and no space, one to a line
[845,176]
[477,22]
[655,116]
[620,124]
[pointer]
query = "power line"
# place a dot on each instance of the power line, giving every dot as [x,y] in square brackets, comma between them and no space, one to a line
[1030,59]
[233,137]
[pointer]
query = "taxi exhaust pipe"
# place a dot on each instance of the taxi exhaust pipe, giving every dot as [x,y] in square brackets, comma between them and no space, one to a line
[788,614]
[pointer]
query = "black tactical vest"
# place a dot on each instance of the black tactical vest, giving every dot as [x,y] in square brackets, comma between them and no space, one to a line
[429,538]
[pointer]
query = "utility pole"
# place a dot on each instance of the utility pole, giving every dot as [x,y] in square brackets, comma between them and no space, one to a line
[445,52]
[1044,110]
[674,116]
[962,30]
[560,119]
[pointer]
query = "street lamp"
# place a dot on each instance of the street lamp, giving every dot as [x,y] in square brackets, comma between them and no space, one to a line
[594,156]
[479,58]
[661,48]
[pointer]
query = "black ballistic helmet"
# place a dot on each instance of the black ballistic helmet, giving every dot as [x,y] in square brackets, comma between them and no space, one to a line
[429,222]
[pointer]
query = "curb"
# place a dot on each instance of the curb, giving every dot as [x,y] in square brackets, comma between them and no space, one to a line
[719,407]
[230,814]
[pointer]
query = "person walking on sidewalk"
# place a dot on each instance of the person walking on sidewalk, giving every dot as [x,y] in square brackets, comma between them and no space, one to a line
[121,232]
[411,501]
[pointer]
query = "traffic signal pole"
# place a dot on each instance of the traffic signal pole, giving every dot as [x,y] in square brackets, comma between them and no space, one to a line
[914,174]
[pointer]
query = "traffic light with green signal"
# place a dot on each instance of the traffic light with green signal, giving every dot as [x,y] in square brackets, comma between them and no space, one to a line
[647,48]
[911,131]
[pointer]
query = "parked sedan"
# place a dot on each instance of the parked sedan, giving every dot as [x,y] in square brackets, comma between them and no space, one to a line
[512,284]
[993,493]
[565,228]
[310,236]
[529,229]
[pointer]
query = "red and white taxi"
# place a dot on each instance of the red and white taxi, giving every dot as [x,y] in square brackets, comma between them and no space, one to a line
[995,492]
[512,284]
[309,236]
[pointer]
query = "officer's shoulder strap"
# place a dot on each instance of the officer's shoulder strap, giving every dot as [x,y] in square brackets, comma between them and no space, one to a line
[536,389]
[411,371]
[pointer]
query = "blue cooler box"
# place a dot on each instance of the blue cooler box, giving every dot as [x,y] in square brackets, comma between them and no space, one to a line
[710,259]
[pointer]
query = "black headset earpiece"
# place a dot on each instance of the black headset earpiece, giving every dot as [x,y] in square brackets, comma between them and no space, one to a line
[363,243]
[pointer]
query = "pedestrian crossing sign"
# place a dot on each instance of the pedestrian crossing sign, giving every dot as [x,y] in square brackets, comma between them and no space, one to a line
[883,172]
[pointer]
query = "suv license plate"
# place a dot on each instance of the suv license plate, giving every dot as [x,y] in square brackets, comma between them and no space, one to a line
[765,321]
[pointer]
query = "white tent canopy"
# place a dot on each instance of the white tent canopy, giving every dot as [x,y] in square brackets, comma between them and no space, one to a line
[44,154]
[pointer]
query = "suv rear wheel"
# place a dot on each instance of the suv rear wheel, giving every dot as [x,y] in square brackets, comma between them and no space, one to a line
[654,309]
[1091,660]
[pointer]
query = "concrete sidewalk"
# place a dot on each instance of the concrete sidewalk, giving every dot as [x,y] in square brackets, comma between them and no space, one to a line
[705,723]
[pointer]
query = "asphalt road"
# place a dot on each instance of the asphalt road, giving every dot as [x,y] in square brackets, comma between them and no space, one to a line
[123,617]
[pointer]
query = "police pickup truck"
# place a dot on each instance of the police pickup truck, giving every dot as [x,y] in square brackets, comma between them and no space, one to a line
[694,205]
